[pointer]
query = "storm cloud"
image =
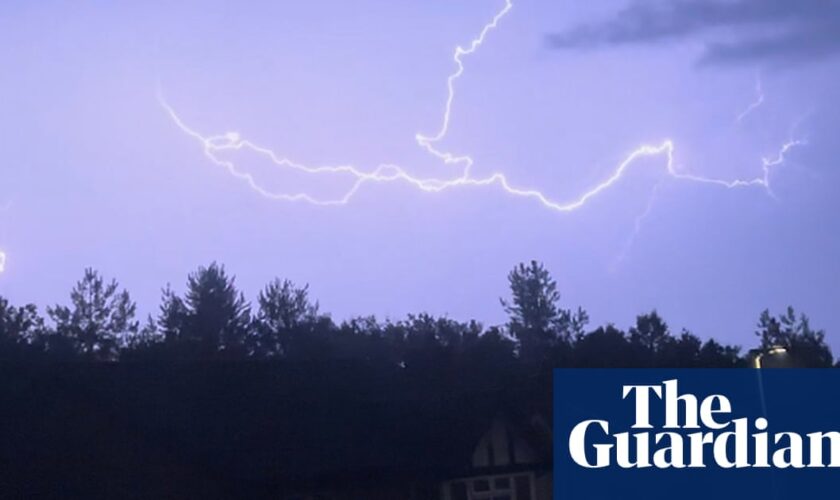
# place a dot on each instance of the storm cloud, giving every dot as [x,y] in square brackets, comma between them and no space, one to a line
[732,31]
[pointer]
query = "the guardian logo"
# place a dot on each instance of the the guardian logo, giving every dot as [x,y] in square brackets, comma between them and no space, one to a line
[695,433]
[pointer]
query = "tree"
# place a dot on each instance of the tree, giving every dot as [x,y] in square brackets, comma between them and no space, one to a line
[649,337]
[216,316]
[487,357]
[606,347]
[805,346]
[147,337]
[714,355]
[536,321]
[19,328]
[283,307]
[365,338]
[100,317]
[535,296]
[171,320]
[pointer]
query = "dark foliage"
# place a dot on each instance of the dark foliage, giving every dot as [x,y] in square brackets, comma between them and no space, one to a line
[100,318]
[210,400]
[213,321]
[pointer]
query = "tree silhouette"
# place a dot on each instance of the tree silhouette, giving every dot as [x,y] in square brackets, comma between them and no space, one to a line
[99,319]
[172,317]
[534,298]
[283,310]
[805,346]
[605,347]
[715,355]
[211,320]
[305,382]
[535,320]
[367,339]
[19,328]
[649,338]
[147,339]
[650,332]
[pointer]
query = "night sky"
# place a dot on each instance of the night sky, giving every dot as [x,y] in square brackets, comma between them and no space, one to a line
[96,172]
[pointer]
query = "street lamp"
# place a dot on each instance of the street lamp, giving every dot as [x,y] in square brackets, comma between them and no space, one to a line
[771,351]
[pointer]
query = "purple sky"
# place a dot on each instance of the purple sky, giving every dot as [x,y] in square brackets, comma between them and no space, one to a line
[96,173]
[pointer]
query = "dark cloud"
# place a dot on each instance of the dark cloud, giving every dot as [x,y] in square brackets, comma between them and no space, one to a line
[733,30]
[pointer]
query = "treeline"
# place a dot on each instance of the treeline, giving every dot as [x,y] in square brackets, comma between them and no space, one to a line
[212,321]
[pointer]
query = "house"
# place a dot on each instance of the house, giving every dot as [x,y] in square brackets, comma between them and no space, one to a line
[509,462]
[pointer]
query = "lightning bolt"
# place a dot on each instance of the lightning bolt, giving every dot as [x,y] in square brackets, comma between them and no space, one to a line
[759,100]
[767,164]
[427,142]
[637,226]
[3,208]
[214,146]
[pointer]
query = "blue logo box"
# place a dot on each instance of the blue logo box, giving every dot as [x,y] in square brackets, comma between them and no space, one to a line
[696,434]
